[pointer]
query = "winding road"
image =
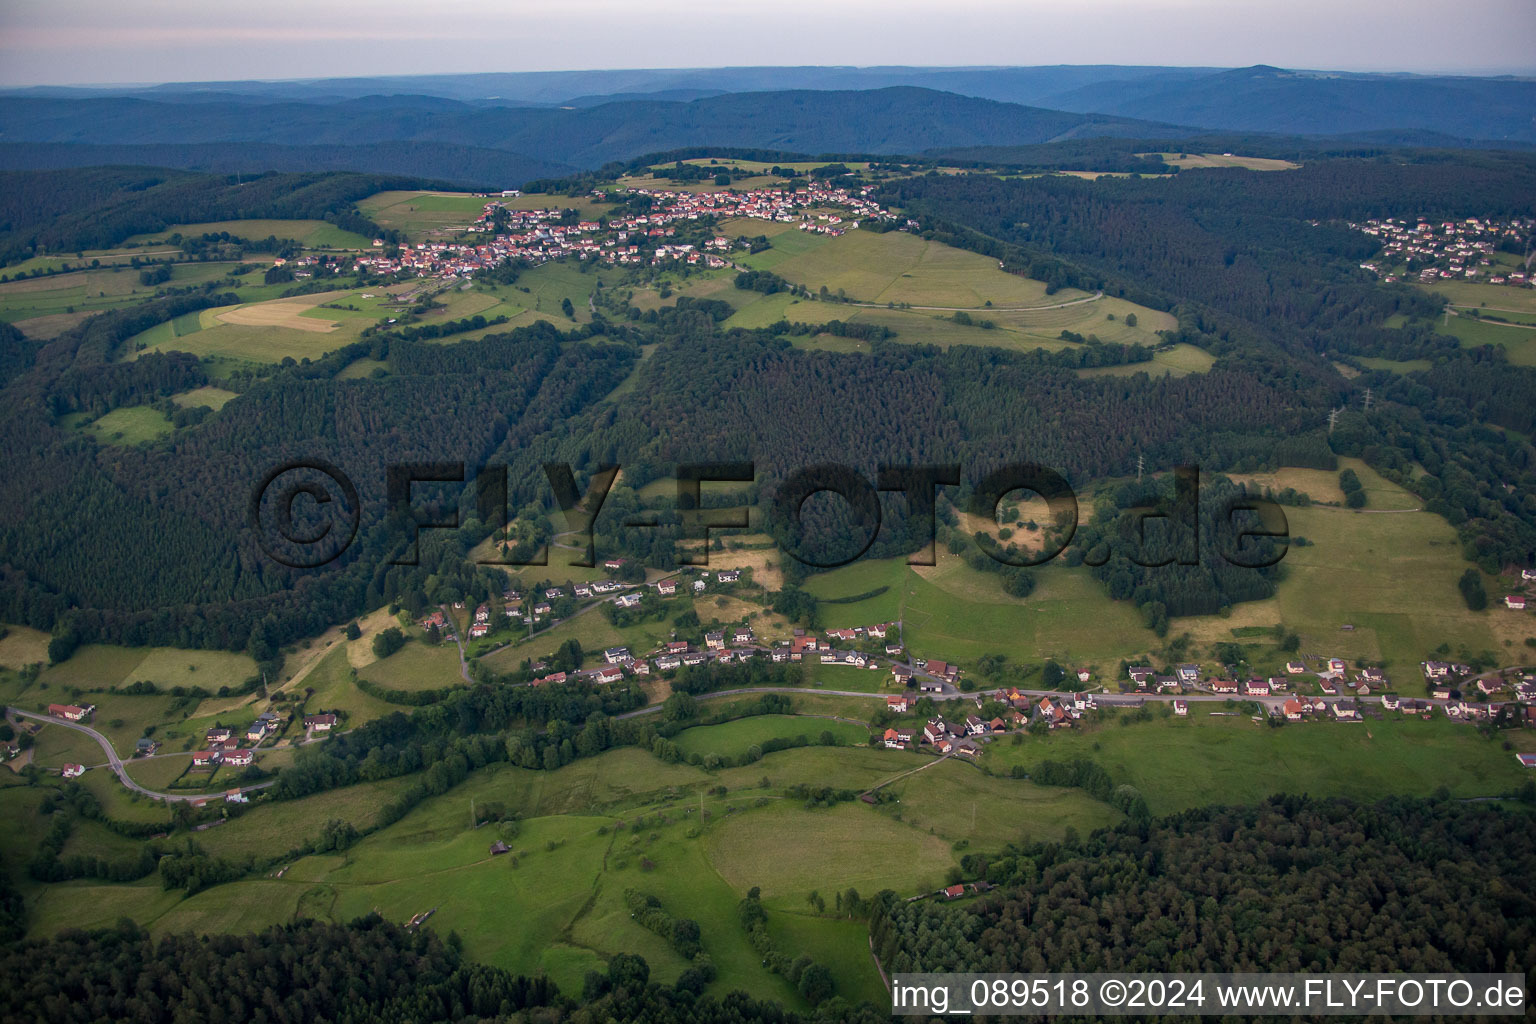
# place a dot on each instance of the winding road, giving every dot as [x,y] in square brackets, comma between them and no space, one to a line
[117,766]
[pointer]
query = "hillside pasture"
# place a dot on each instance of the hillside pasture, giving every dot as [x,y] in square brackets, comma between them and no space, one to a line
[1199,161]
[312,234]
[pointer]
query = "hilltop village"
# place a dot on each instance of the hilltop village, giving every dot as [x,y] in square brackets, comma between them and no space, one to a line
[628,239]
[1450,250]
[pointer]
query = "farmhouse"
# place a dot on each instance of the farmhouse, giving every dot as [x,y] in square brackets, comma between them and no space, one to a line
[320,723]
[203,758]
[1223,685]
[73,771]
[935,730]
[70,711]
[897,703]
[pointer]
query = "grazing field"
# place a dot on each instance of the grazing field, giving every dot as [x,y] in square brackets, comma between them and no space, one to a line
[422,214]
[96,667]
[899,267]
[590,831]
[417,666]
[214,398]
[22,646]
[732,739]
[92,291]
[1183,763]
[1492,297]
[269,330]
[335,689]
[129,424]
[916,287]
[289,313]
[1517,340]
[57,746]
[1196,161]
[1174,361]
[312,234]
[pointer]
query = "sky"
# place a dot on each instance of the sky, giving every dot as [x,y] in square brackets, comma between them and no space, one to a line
[58,42]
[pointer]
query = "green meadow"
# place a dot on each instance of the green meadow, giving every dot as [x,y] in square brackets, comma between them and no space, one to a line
[589,831]
[1203,759]
[312,234]
[732,739]
[915,287]
[92,291]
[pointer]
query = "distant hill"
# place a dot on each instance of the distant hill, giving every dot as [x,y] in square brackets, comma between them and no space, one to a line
[331,134]
[1316,103]
[465,165]
[1261,98]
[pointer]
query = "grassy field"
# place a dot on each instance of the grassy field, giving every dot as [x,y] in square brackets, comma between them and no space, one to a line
[1389,570]
[312,234]
[417,666]
[1195,161]
[915,287]
[1517,340]
[269,328]
[421,214]
[588,832]
[129,424]
[212,397]
[733,738]
[1182,763]
[102,666]
[22,646]
[1173,361]
[91,291]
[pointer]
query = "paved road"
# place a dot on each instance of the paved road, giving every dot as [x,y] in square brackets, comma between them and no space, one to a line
[116,763]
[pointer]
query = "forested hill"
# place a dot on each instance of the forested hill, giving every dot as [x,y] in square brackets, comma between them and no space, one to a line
[1260,98]
[477,166]
[98,207]
[358,973]
[1291,885]
[890,121]
[1264,264]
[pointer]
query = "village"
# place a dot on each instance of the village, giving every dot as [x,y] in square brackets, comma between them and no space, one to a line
[633,239]
[1460,250]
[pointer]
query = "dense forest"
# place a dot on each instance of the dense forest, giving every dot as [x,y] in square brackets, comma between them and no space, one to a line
[1255,268]
[98,207]
[364,971]
[1293,884]
[1261,270]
